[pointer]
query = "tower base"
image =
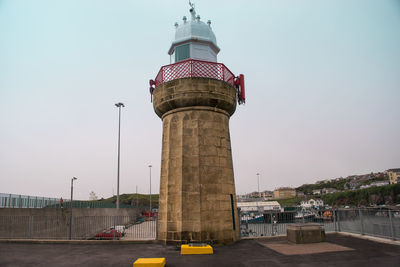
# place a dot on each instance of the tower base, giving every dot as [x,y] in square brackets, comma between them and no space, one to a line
[197,192]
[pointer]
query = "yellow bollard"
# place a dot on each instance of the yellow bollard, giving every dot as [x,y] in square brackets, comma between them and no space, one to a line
[149,262]
[193,249]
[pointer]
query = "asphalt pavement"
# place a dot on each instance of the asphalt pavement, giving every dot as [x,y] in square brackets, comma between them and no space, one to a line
[360,252]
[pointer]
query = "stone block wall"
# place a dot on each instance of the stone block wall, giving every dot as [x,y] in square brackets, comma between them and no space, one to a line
[197,191]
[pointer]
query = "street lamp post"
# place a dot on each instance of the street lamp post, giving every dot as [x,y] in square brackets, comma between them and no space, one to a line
[70,216]
[119,105]
[150,189]
[258,184]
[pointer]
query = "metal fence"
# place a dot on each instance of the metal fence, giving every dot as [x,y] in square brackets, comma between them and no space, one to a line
[194,68]
[25,201]
[379,222]
[79,228]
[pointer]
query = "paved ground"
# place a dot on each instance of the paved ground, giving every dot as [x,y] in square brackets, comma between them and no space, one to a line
[243,253]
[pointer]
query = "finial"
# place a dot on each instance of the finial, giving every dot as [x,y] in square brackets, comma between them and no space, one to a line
[176,24]
[191,5]
[184,19]
[209,23]
[192,11]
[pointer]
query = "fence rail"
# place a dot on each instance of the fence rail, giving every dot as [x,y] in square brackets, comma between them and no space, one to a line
[194,68]
[24,201]
[79,228]
[374,222]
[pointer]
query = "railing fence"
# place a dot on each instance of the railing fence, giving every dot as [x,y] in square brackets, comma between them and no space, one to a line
[377,222]
[194,68]
[383,223]
[78,228]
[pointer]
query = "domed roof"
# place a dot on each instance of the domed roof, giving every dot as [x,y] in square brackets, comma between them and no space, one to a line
[196,30]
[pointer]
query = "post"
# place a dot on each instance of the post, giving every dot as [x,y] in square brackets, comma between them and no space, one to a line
[150,190]
[334,219]
[119,105]
[338,220]
[30,226]
[70,211]
[391,224]
[156,227]
[361,221]
[114,227]
[272,227]
[258,184]
[239,212]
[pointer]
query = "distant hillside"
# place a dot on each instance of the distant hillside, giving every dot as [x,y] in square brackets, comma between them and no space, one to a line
[382,195]
[307,189]
[340,184]
[132,199]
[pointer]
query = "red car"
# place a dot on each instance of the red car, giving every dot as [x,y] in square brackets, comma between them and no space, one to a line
[109,235]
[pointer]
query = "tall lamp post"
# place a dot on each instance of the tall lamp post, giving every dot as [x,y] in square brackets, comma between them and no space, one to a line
[70,216]
[258,184]
[119,105]
[150,188]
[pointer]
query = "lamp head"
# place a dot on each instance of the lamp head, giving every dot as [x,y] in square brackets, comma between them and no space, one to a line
[119,104]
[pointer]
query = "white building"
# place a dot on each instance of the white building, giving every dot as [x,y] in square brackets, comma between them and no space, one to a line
[380,183]
[259,206]
[312,203]
[316,192]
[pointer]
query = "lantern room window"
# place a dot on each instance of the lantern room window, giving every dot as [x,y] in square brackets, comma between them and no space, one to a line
[182,52]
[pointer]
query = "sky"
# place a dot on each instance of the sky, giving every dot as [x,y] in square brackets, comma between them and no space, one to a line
[322,91]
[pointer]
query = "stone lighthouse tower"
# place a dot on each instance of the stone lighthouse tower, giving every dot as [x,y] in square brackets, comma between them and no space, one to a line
[195,97]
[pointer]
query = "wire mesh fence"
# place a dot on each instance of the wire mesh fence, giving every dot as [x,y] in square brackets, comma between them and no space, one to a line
[25,201]
[78,227]
[374,222]
[380,222]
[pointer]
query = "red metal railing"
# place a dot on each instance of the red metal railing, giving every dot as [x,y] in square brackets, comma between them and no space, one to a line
[194,68]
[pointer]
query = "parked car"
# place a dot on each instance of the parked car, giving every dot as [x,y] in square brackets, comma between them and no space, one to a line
[119,228]
[108,235]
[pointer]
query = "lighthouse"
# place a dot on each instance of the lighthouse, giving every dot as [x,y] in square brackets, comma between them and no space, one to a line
[195,96]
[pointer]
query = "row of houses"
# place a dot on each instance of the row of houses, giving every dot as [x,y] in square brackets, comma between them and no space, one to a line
[279,193]
[354,182]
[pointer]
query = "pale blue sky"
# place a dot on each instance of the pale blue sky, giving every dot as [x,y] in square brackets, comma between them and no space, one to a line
[322,80]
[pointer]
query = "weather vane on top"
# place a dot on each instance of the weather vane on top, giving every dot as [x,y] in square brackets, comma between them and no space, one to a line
[192,11]
[191,4]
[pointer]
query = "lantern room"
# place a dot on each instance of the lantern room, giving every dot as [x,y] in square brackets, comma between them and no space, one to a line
[194,39]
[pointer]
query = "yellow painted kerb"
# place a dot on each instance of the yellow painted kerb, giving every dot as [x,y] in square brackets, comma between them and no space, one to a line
[186,250]
[149,262]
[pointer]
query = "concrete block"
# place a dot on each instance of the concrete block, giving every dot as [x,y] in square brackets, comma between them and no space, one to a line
[305,233]
[149,262]
[196,249]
